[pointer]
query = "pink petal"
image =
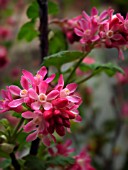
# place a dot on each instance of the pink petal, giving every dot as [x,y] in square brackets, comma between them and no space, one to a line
[42,72]
[15,90]
[83,24]
[95,38]
[78,32]
[4,94]
[94,11]
[86,16]
[72,87]
[28,75]
[30,126]
[103,15]
[24,83]
[35,106]
[31,137]
[49,79]
[121,18]
[73,99]
[60,83]
[52,95]
[78,118]
[47,106]
[43,87]
[28,115]
[33,94]
[117,37]
[16,102]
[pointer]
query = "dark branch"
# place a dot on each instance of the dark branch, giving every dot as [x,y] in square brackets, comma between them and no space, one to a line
[43,29]
[15,163]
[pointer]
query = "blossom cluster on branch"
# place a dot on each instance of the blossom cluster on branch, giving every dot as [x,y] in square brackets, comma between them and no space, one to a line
[47,108]
[106,29]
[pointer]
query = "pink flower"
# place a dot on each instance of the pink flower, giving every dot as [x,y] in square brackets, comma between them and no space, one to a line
[61,149]
[7,98]
[42,98]
[68,91]
[89,26]
[82,162]
[39,77]
[38,126]
[87,31]
[22,94]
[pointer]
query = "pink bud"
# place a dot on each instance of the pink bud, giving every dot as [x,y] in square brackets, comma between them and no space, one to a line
[59,120]
[60,102]
[60,130]
[48,114]
[66,123]
[70,114]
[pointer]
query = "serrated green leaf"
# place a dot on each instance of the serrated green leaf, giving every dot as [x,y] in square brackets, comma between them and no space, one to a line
[33,11]
[27,32]
[52,8]
[34,163]
[61,160]
[55,45]
[109,68]
[5,163]
[61,58]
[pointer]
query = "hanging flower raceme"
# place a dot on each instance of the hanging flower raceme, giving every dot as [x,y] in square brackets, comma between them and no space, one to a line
[106,29]
[64,149]
[48,109]
[82,162]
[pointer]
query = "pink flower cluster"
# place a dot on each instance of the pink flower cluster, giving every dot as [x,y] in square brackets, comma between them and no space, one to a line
[48,109]
[105,29]
[82,162]
[61,149]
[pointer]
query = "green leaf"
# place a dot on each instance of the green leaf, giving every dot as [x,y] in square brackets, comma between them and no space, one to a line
[27,32]
[61,160]
[52,8]
[55,45]
[33,11]
[61,58]
[5,163]
[33,163]
[109,68]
